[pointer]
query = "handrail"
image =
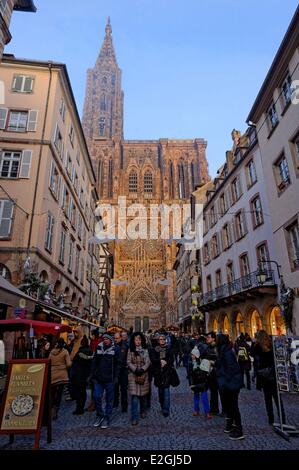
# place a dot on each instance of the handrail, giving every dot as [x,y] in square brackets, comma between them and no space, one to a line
[238,285]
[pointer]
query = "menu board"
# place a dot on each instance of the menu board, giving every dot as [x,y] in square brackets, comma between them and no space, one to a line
[286,354]
[24,397]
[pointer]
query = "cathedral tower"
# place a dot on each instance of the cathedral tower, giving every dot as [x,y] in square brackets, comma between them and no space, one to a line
[143,292]
[103,107]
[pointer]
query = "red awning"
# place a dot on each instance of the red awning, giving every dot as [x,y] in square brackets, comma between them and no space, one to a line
[38,326]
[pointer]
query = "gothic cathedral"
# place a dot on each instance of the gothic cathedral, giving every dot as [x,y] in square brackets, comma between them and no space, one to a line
[143,293]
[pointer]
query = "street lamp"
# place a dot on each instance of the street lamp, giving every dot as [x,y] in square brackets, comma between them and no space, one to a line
[262,274]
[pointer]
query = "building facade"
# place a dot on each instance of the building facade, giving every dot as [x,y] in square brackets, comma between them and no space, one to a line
[276,116]
[143,292]
[47,187]
[6,9]
[238,242]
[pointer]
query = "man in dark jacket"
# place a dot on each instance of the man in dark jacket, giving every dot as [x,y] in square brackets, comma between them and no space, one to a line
[122,382]
[105,369]
[211,355]
[162,359]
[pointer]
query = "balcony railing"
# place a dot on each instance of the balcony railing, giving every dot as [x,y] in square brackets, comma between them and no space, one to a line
[242,284]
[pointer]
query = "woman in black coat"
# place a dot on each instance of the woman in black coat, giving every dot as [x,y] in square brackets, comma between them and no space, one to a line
[81,369]
[229,381]
[266,380]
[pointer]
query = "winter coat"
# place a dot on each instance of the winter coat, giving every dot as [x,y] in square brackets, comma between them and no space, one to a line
[198,379]
[161,375]
[228,373]
[94,344]
[123,349]
[106,364]
[60,362]
[138,360]
[263,360]
[81,366]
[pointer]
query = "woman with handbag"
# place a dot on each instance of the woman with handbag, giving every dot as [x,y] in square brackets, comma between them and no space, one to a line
[138,364]
[266,380]
[198,381]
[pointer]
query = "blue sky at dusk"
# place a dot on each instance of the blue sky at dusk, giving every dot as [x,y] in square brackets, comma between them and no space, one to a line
[190,69]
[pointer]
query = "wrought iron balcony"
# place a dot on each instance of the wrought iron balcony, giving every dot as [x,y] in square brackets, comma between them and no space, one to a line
[243,284]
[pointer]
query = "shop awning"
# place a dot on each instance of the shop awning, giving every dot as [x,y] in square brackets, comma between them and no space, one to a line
[63,314]
[18,324]
[11,295]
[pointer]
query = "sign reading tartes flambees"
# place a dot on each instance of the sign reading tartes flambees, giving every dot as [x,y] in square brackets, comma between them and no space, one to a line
[23,399]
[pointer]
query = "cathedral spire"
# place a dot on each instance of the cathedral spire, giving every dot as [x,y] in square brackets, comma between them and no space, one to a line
[107,51]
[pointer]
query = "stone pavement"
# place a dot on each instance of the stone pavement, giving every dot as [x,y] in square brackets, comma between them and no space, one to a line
[180,431]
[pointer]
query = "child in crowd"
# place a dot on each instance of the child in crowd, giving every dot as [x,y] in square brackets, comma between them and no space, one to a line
[198,381]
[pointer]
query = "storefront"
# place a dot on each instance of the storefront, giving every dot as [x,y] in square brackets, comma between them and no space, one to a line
[255,322]
[276,322]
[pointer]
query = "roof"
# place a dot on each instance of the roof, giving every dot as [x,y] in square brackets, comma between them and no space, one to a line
[25,5]
[279,64]
[11,294]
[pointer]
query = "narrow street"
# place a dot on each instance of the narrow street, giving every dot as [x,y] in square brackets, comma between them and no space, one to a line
[181,431]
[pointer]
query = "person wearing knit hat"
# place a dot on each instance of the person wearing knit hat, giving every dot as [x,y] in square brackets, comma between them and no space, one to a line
[198,381]
[107,336]
[195,352]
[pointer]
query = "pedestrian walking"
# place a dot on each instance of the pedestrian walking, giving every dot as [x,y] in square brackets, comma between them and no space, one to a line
[162,359]
[229,381]
[138,364]
[198,381]
[211,355]
[243,354]
[81,369]
[265,378]
[95,340]
[60,363]
[104,373]
[121,387]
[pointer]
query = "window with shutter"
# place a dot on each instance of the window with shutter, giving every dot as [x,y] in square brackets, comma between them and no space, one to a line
[3,116]
[6,215]
[22,84]
[49,232]
[26,164]
[17,121]
[62,246]
[32,120]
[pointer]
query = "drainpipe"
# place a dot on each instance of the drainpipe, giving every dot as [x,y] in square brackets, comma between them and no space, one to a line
[39,160]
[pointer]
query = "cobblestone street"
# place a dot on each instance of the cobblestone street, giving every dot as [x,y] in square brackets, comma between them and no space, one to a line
[181,431]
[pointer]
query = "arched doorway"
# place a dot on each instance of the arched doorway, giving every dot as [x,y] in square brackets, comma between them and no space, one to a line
[255,322]
[215,325]
[276,322]
[226,325]
[44,276]
[239,324]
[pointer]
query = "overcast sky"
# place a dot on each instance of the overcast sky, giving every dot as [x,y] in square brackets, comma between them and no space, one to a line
[190,68]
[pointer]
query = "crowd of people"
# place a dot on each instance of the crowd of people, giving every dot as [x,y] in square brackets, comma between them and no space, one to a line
[126,365]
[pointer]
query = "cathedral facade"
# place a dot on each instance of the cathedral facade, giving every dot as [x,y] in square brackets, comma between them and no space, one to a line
[148,172]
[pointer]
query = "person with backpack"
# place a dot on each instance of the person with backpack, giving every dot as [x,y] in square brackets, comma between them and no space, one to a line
[198,381]
[242,351]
